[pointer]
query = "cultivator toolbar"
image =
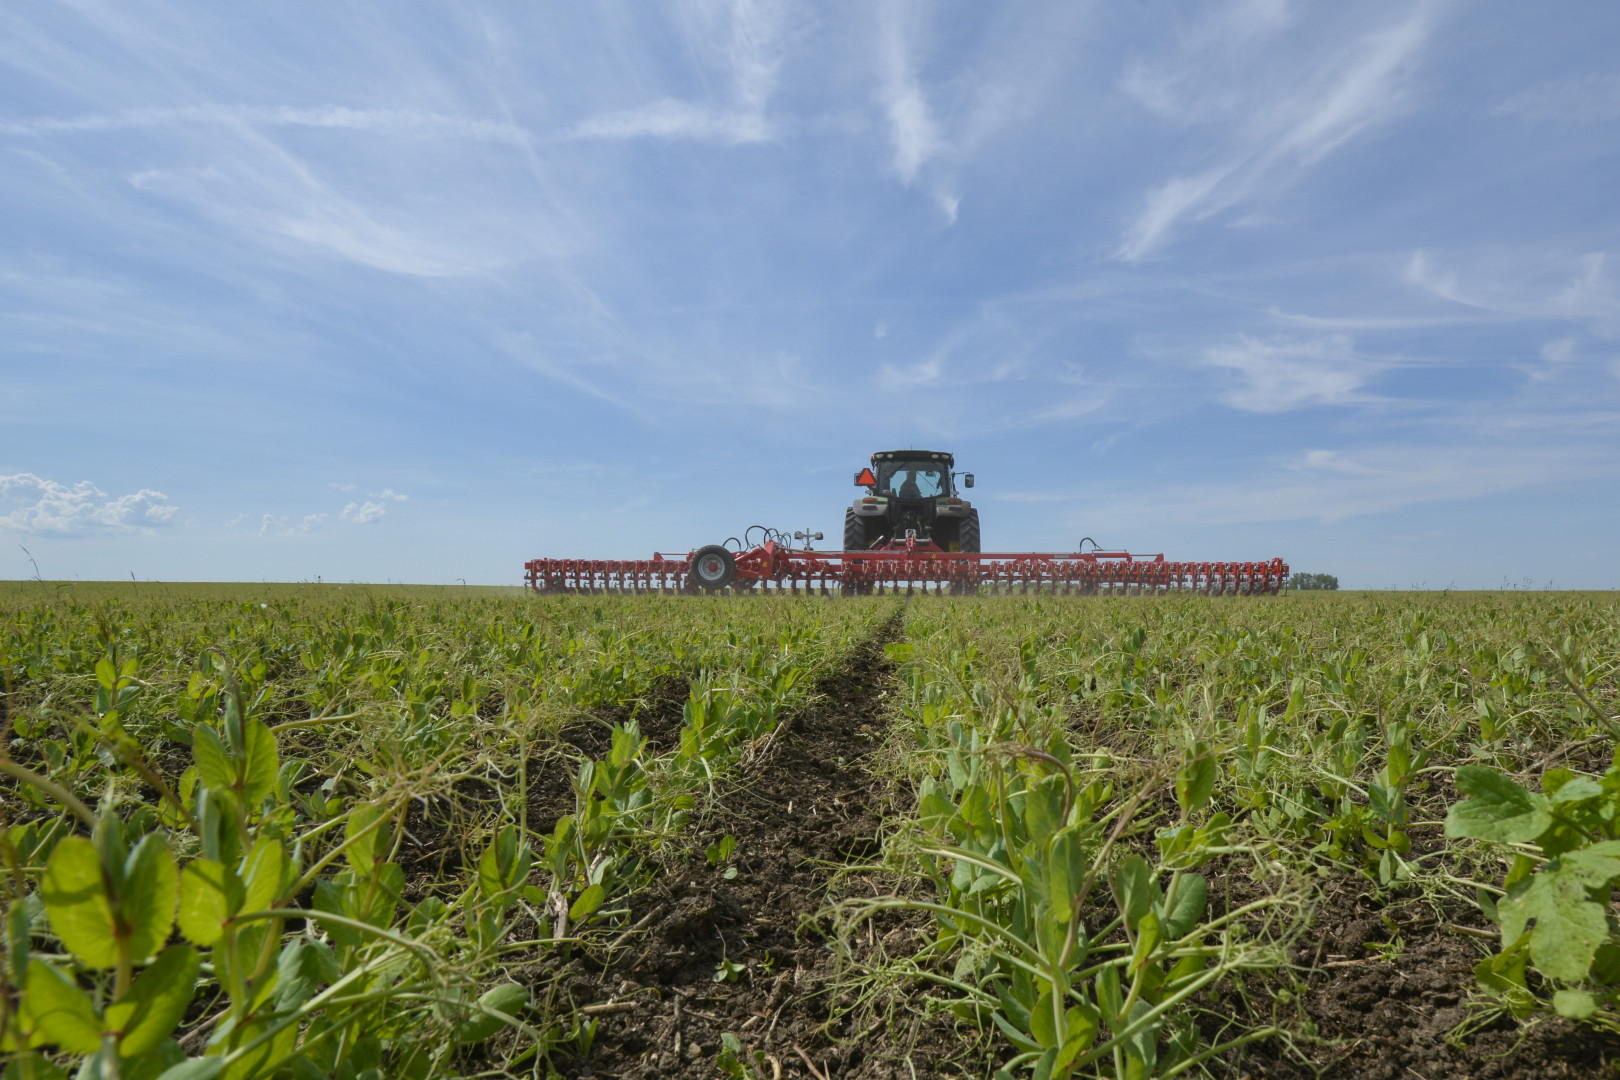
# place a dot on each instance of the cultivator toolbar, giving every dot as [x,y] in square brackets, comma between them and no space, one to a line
[908,566]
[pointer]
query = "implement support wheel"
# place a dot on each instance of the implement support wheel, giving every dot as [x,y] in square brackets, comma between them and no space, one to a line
[712,568]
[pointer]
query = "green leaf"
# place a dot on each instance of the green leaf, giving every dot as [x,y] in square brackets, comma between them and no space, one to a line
[59,1011]
[1569,927]
[155,1002]
[1065,872]
[1576,789]
[509,998]
[203,1068]
[1136,889]
[1501,974]
[497,870]
[1496,809]
[298,973]
[1042,1024]
[151,887]
[1575,1004]
[976,808]
[260,765]
[210,893]
[363,852]
[19,926]
[77,904]
[1043,807]
[586,903]
[1195,782]
[1594,865]
[1187,907]
[1082,1022]
[215,766]
[106,674]
[261,875]
[1149,932]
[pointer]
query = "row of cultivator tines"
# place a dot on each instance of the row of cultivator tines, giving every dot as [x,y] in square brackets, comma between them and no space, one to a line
[907,566]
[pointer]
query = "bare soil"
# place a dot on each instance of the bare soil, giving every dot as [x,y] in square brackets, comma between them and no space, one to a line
[808,809]
[1384,1013]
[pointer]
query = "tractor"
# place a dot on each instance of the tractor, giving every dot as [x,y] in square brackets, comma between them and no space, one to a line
[911,493]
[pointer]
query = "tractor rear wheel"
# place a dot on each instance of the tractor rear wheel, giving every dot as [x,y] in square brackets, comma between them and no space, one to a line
[854,532]
[967,536]
[712,568]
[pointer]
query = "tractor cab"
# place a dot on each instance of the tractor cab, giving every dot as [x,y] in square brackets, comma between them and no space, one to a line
[911,491]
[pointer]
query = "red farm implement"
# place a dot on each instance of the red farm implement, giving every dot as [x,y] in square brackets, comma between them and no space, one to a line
[908,565]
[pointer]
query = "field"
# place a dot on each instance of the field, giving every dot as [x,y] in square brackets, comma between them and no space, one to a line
[361,832]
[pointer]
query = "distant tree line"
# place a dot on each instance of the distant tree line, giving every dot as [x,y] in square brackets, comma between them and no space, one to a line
[1312,581]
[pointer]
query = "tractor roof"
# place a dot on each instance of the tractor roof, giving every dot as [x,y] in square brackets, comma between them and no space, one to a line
[914,455]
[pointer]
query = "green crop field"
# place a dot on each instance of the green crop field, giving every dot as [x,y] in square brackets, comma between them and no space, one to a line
[304,831]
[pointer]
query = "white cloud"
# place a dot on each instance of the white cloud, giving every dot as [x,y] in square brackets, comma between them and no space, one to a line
[912,130]
[82,509]
[384,121]
[364,513]
[1577,99]
[750,55]
[672,119]
[1281,131]
[922,373]
[1281,374]
[390,494]
[1527,286]
[311,522]
[1334,485]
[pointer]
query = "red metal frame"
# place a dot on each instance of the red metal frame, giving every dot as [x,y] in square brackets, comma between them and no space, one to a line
[913,563]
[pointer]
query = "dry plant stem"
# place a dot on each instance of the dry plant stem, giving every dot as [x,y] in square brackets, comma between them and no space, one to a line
[811,1065]
[50,787]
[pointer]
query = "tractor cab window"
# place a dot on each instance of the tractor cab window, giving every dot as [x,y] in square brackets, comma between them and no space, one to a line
[913,479]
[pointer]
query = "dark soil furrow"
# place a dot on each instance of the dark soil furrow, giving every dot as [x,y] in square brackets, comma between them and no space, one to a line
[1385,983]
[811,805]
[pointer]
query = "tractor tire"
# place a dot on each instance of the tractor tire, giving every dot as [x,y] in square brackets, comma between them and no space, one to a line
[967,535]
[854,532]
[712,568]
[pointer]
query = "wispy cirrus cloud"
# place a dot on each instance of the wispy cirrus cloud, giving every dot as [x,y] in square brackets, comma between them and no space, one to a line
[913,133]
[393,122]
[750,56]
[1281,374]
[1275,132]
[1576,99]
[79,509]
[1525,285]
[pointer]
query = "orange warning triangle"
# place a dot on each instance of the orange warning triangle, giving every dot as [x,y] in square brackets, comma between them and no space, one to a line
[866,479]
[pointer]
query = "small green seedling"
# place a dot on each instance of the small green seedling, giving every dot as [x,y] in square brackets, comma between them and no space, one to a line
[718,853]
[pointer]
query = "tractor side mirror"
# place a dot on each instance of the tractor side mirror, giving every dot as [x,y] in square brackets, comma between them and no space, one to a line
[967,479]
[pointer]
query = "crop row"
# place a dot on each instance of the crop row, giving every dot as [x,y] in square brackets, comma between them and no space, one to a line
[1084,775]
[211,850]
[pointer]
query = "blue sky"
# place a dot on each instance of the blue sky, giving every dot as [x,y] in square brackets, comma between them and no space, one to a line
[414,292]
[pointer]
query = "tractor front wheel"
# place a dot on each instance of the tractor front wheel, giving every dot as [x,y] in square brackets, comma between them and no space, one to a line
[712,568]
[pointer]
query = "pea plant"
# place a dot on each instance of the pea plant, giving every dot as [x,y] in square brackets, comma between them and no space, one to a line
[348,990]
[1553,909]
